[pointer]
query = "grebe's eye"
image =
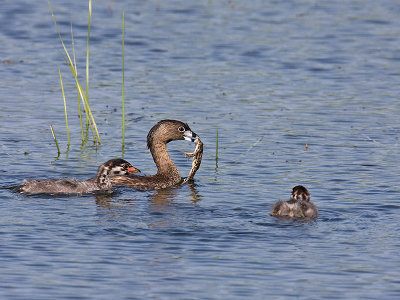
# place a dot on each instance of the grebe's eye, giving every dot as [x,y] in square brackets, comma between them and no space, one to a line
[181,129]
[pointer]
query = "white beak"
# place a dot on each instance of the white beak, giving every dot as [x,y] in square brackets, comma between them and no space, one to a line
[189,136]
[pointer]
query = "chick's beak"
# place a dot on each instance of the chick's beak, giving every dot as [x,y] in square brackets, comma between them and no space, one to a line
[189,136]
[133,170]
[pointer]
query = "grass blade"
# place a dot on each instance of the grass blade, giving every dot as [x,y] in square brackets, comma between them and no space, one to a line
[59,35]
[65,105]
[82,96]
[88,111]
[72,66]
[79,100]
[55,139]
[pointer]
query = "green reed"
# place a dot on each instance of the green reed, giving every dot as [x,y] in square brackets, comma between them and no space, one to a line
[77,90]
[72,66]
[55,139]
[65,105]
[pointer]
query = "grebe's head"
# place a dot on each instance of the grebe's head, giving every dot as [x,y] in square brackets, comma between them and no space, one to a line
[166,131]
[119,166]
[300,193]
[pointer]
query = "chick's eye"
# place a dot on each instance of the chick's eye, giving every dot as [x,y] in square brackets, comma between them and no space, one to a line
[181,129]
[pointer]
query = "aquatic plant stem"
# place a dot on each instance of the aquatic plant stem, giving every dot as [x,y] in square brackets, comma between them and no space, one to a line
[123,82]
[92,123]
[79,100]
[55,139]
[89,115]
[65,106]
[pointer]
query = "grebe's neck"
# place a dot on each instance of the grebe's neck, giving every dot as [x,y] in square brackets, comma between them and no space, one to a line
[162,159]
[103,177]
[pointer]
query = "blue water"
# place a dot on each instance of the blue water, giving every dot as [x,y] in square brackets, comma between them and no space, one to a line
[272,77]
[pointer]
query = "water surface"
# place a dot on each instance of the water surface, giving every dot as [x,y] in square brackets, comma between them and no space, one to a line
[272,77]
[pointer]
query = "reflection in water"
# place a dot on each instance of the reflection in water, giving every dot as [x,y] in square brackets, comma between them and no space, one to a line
[103,199]
[161,208]
[167,214]
[165,196]
[159,198]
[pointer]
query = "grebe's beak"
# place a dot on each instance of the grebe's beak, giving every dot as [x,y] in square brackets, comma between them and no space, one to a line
[133,170]
[189,136]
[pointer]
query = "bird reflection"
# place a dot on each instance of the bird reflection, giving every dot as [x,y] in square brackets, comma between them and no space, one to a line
[158,198]
[166,196]
[103,199]
[166,214]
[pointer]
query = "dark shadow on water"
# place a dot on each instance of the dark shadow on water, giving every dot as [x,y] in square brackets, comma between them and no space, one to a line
[14,188]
